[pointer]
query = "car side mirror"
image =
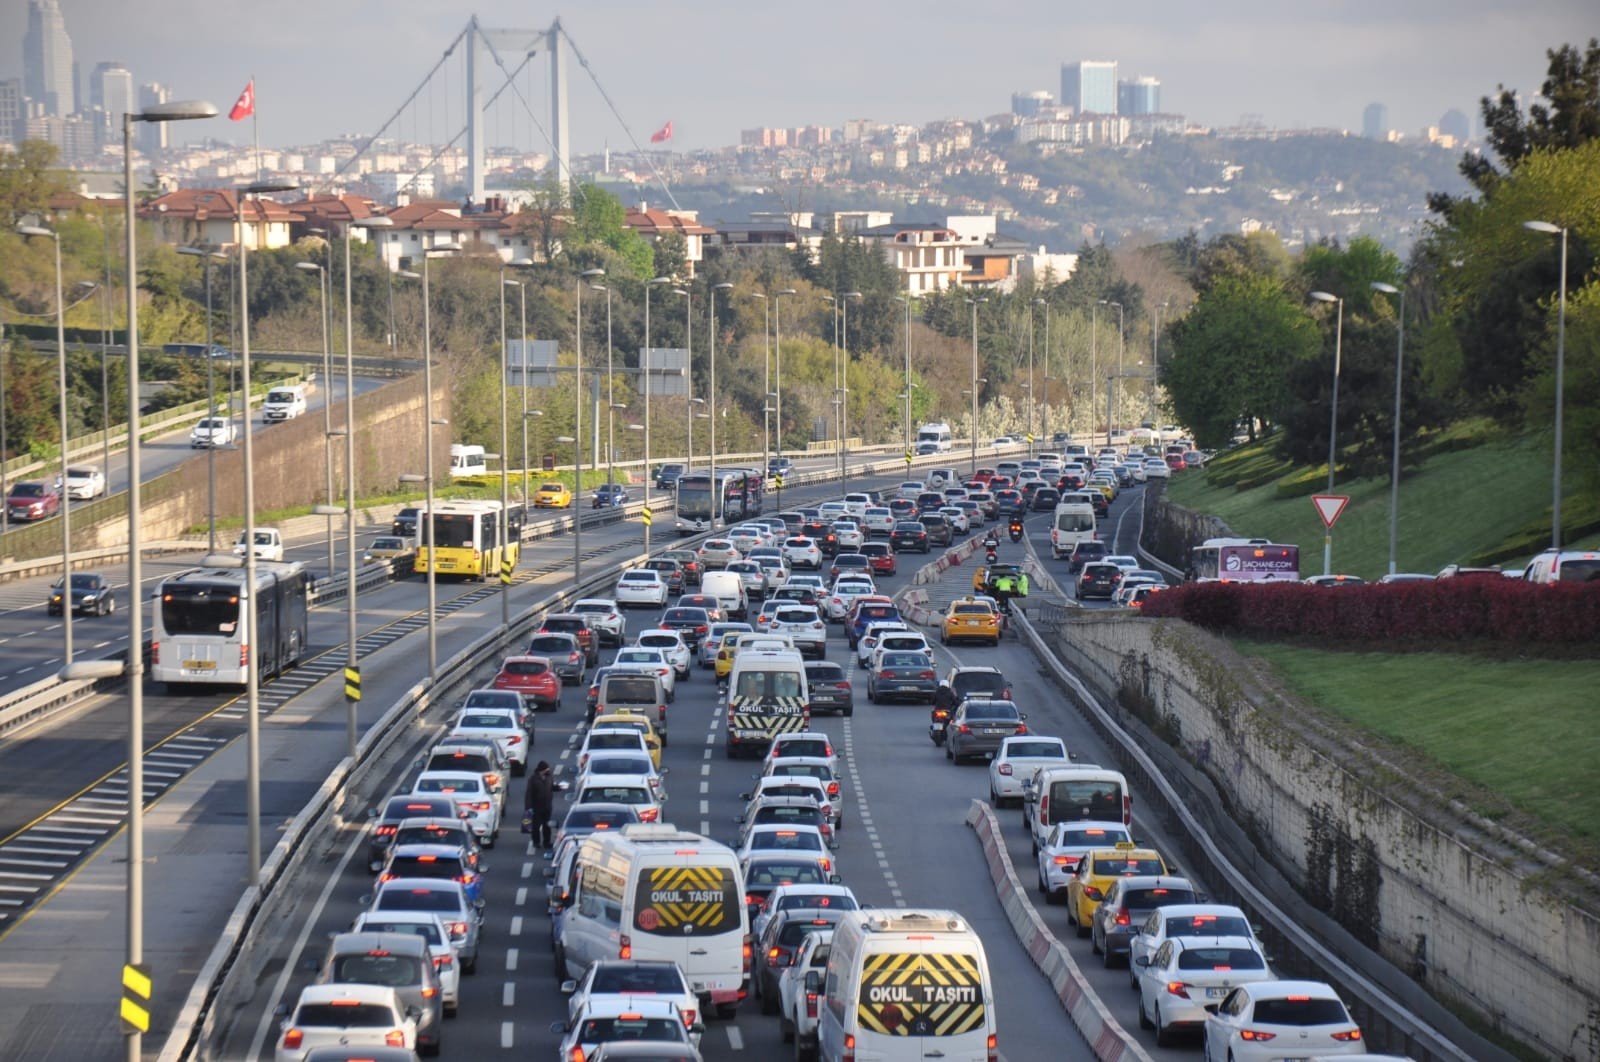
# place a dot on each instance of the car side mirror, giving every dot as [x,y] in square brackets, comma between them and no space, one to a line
[834,879]
[743,796]
[281,1010]
[559,1028]
[372,813]
[414,1013]
[813,981]
[568,987]
[480,903]
[549,873]
[1143,960]
[563,786]
[364,899]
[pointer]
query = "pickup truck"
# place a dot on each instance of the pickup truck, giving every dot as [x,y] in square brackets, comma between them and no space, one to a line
[800,992]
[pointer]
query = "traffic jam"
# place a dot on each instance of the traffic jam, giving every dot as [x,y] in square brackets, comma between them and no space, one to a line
[675,769]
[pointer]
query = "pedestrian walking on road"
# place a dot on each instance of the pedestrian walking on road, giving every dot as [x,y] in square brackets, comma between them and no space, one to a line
[539,802]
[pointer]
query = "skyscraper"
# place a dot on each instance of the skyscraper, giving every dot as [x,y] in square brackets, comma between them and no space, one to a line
[1375,122]
[1456,124]
[10,110]
[1142,95]
[1028,104]
[47,59]
[1089,86]
[110,96]
[153,135]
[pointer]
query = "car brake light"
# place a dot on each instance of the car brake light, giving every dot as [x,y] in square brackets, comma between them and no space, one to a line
[849,1054]
[773,955]
[688,1017]
[385,830]
[994,1047]
[1348,1036]
[458,929]
[293,1038]
[648,815]
[479,805]
[833,789]
[576,1054]
[625,947]
[811,1004]
[441,962]
[964,728]
[1123,918]
[492,779]
[1022,728]
[1259,1036]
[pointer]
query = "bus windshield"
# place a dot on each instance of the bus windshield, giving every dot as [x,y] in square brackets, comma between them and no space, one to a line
[694,500]
[456,530]
[201,608]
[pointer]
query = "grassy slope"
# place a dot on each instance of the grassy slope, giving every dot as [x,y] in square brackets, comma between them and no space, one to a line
[1519,728]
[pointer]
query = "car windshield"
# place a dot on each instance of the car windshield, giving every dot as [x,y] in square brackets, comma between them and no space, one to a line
[424,866]
[1145,899]
[344,1014]
[616,738]
[1300,1011]
[614,794]
[617,765]
[640,577]
[630,1026]
[581,817]
[426,931]
[526,667]
[991,711]
[773,874]
[1115,866]
[904,660]
[1207,926]
[449,785]
[658,978]
[446,900]
[824,673]
[1043,750]
[638,656]
[551,643]
[377,968]
[798,840]
[1224,959]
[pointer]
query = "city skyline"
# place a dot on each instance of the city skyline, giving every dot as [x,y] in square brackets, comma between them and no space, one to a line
[1421,62]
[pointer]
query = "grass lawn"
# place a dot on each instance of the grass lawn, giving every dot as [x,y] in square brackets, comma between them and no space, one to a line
[1524,729]
[1490,500]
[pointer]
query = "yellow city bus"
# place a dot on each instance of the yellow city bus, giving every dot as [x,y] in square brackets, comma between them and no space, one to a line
[466,540]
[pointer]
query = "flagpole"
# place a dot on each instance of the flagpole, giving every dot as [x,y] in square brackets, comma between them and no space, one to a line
[255,127]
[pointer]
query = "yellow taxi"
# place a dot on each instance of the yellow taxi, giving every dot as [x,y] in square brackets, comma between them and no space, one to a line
[725,654]
[1097,869]
[1104,488]
[552,496]
[970,619]
[653,740]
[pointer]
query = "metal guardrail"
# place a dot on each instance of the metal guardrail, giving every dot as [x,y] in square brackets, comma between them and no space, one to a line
[1387,1021]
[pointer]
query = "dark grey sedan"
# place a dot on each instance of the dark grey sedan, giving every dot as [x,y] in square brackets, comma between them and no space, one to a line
[91,594]
[979,726]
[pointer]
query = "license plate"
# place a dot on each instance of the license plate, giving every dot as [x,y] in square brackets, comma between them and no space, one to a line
[993,730]
[1216,993]
[199,665]
[906,686]
[973,623]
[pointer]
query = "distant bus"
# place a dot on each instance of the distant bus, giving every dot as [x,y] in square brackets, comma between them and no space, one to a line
[197,633]
[466,539]
[743,491]
[1244,560]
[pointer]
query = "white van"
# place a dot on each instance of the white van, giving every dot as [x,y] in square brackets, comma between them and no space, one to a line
[467,461]
[728,589]
[653,891]
[767,696]
[284,403]
[933,438]
[1074,792]
[1073,522]
[907,985]
[1564,566]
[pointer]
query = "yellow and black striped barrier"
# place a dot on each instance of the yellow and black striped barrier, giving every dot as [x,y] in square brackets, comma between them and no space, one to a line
[136,988]
[507,566]
[352,683]
[644,515]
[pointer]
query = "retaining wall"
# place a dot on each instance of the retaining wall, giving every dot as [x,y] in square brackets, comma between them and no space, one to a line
[1470,923]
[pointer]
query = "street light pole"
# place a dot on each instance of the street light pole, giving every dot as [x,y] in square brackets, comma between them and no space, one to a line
[66,496]
[1117,387]
[503,523]
[210,254]
[973,431]
[1155,362]
[134,668]
[1394,454]
[688,370]
[611,396]
[327,399]
[844,387]
[1333,418]
[711,328]
[1030,376]
[907,300]
[1045,428]
[777,327]
[588,276]
[644,379]
[766,380]
[1561,363]
[1094,362]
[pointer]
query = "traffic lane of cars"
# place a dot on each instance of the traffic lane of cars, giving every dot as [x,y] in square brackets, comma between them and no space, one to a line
[1119,528]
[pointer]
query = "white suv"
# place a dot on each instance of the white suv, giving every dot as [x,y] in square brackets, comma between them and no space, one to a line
[804,626]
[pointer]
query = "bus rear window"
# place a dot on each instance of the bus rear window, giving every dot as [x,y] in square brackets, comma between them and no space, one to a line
[687,901]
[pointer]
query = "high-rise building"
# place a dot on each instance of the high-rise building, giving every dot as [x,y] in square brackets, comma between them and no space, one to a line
[1142,95]
[1455,124]
[1029,104]
[153,135]
[110,97]
[47,71]
[1089,86]
[11,110]
[1375,122]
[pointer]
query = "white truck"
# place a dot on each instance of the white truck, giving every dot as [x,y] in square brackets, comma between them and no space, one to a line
[800,992]
[284,403]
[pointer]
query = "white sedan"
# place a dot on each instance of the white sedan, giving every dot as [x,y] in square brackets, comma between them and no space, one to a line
[605,617]
[844,593]
[1181,981]
[1016,761]
[957,516]
[671,645]
[849,535]
[879,521]
[1064,845]
[747,537]
[1308,1013]
[802,552]
[653,659]
[471,794]
[83,482]
[641,586]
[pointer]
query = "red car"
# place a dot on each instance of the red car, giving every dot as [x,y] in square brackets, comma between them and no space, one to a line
[880,555]
[999,483]
[534,678]
[983,475]
[1176,462]
[32,500]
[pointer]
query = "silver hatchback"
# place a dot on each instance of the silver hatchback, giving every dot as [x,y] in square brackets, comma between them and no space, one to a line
[979,727]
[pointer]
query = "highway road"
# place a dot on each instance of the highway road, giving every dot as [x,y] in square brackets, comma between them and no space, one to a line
[162,454]
[904,841]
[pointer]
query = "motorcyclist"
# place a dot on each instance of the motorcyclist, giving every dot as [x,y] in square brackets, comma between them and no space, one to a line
[1016,529]
[1005,588]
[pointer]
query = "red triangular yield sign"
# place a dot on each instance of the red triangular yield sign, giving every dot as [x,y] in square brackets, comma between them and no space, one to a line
[1329,506]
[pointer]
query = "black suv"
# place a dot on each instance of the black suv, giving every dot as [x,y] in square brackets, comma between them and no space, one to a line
[1085,553]
[909,535]
[1045,500]
[829,688]
[959,683]
[938,528]
[692,623]
[405,521]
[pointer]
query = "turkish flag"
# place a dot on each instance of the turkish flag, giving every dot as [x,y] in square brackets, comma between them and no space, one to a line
[662,135]
[245,105]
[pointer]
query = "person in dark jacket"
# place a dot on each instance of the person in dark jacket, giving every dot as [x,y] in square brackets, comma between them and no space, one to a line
[539,802]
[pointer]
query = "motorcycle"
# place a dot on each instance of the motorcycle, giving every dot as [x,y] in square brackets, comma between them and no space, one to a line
[938,718]
[1016,531]
[990,556]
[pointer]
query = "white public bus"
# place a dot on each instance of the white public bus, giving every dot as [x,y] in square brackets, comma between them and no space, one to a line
[197,634]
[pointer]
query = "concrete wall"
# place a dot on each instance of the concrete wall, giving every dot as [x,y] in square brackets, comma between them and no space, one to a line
[289,468]
[1470,919]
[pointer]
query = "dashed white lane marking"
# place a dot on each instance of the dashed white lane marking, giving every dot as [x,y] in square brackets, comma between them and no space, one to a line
[507,1034]
[511,959]
[527,870]
[522,897]
[508,994]
[735,1038]
[516,925]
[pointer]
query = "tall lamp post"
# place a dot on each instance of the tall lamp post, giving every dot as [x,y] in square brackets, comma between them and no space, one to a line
[1394,453]
[588,276]
[1030,376]
[844,385]
[711,331]
[1333,418]
[66,496]
[644,380]
[766,379]
[907,299]
[688,370]
[248,609]
[327,401]
[1155,360]
[210,254]
[1117,386]
[611,394]
[1045,429]
[505,458]
[1094,361]
[777,328]
[973,302]
[134,667]
[1561,365]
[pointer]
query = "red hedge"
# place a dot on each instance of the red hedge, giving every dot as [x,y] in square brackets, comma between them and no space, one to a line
[1505,611]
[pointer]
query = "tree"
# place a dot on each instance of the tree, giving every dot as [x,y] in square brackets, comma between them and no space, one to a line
[1231,355]
[27,182]
[598,222]
[1572,118]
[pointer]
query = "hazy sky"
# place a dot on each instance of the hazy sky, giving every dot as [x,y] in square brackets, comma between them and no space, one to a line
[714,67]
